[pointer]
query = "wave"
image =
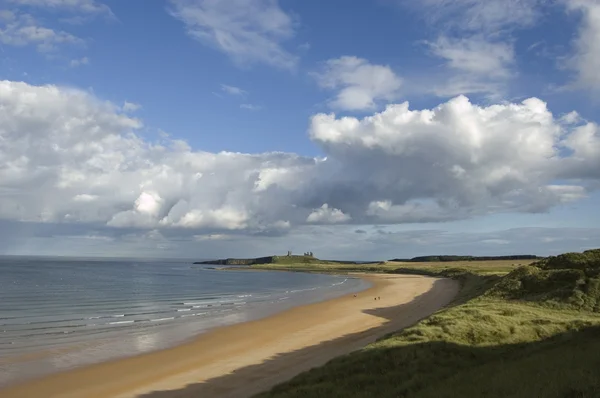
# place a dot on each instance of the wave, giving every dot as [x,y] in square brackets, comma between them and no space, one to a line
[120,322]
[340,283]
[162,319]
[197,314]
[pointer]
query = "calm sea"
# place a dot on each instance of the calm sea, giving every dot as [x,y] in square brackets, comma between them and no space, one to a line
[57,314]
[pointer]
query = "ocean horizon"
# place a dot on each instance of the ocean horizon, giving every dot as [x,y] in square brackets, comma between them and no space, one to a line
[59,313]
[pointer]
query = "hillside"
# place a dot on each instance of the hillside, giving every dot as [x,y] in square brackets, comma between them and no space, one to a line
[534,332]
[282,260]
[569,280]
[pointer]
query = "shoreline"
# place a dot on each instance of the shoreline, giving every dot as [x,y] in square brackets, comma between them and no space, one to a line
[246,358]
[20,367]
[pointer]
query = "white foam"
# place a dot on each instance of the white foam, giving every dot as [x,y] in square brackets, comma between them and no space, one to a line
[120,322]
[162,319]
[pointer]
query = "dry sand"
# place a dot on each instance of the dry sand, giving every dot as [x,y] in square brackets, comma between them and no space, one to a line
[244,359]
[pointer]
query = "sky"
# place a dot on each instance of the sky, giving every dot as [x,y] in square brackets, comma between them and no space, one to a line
[362,130]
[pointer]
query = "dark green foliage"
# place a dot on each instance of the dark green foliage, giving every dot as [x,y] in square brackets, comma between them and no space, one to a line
[588,260]
[570,280]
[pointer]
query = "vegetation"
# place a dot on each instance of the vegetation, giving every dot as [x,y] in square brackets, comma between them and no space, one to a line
[534,332]
[432,268]
[288,259]
[427,259]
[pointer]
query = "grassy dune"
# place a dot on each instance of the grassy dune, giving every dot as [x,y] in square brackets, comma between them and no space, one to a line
[534,332]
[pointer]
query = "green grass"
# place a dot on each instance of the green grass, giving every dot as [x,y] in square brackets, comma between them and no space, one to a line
[532,333]
[493,267]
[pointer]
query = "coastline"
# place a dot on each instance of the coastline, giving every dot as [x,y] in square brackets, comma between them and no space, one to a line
[250,357]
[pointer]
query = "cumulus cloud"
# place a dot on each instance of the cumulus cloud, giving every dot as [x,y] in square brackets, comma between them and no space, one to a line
[249,31]
[327,215]
[461,155]
[20,30]
[359,84]
[70,160]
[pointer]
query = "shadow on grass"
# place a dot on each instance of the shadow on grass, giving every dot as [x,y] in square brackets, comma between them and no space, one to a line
[253,379]
[563,366]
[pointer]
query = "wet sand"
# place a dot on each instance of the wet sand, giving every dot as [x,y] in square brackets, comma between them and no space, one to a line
[241,360]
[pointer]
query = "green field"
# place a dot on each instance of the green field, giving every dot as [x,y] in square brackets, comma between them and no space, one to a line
[496,267]
[534,332]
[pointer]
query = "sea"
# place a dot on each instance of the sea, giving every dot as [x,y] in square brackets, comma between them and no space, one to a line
[61,313]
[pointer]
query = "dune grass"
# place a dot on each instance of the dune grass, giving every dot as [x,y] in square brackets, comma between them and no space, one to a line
[532,333]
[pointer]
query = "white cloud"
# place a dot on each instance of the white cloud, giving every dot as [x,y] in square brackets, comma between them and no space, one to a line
[209,237]
[79,62]
[475,55]
[251,107]
[249,31]
[496,241]
[460,155]
[327,215]
[359,83]
[476,64]
[232,90]
[463,84]
[490,16]
[23,30]
[131,106]
[417,211]
[586,59]
[571,118]
[475,37]
[73,162]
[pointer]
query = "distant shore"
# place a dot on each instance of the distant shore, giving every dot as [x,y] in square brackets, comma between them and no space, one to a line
[247,358]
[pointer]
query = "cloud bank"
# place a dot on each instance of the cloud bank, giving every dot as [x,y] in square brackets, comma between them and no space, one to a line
[70,159]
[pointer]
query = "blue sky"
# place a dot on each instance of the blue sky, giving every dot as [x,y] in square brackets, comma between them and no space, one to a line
[99,98]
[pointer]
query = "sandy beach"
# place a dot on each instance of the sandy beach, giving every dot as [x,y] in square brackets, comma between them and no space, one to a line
[247,358]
